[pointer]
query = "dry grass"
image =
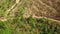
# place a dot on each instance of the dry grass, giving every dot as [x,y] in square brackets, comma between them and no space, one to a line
[29,17]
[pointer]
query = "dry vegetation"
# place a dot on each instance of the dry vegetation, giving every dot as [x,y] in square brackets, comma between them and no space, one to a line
[29,16]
